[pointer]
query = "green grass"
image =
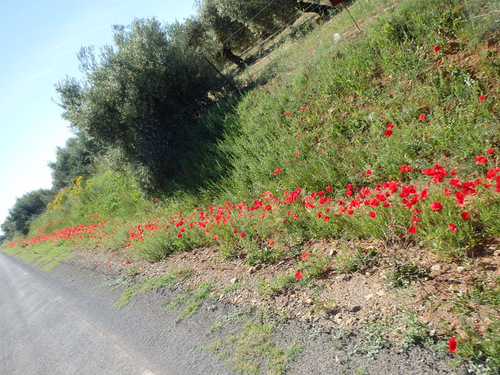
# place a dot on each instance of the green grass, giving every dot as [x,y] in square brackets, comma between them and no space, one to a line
[152,283]
[190,302]
[253,350]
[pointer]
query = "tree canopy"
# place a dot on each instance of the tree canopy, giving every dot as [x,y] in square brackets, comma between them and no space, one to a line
[140,97]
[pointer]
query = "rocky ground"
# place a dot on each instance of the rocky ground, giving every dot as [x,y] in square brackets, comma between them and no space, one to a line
[337,308]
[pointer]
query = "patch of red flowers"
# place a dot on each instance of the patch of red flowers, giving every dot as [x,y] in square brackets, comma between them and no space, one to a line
[452,345]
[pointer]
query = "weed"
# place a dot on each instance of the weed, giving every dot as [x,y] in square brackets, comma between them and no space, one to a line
[153,283]
[253,349]
[191,301]
[402,275]
[352,261]
[279,285]
[372,340]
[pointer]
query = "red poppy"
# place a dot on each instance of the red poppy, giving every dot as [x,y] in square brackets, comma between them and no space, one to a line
[452,227]
[298,275]
[452,345]
[373,214]
[481,98]
[388,132]
[437,48]
[109,266]
[481,159]
[303,109]
[304,255]
[368,173]
[422,117]
[127,262]
[287,114]
[405,168]
[491,151]
[242,234]
[214,238]
[436,206]
[465,215]
[390,126]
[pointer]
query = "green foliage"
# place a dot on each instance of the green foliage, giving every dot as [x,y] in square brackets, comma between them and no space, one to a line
[153,283]
[25,210]
[140,98]
[352,260]
[261,17]
[253,350]
[402,275]
[191,300]
[76,159]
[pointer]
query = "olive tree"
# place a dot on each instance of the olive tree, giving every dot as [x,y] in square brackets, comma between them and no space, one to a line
[140,97]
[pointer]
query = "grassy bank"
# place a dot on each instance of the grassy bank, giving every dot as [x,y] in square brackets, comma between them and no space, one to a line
[390,134]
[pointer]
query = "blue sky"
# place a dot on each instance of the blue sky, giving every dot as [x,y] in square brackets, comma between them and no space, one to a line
[39,45]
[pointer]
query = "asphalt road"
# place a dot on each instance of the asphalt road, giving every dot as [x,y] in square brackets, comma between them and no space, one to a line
[64,323]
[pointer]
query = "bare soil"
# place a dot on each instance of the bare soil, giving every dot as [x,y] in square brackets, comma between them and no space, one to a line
[336,300]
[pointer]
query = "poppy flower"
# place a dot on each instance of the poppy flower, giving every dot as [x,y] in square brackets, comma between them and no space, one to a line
[287,114]
[388,132]
[109,266]
[303,109]
[214,238]
[452,345]
[491,151]
[422,117]
[242,234]
[298,275]
[412,229]
[368,173]
[465,215]
[481,98]
[405,168]
[481,159]
[304,255]
[127,261]
[373,214]
[452,227]
[436,206]
[437,48]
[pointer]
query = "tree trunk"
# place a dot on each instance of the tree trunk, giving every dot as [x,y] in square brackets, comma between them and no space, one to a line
[228,54]
[321,9]
[337,2]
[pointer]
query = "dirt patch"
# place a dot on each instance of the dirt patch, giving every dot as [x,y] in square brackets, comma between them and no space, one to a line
[441,297]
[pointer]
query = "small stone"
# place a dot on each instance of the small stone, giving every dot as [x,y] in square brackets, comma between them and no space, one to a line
[369,296]
[233,280]
[381,293]
[436,267]
[460,269]
[308,301]
[336,37]
[497,253]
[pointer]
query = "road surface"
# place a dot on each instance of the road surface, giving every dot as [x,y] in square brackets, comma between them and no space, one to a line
[56,323]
